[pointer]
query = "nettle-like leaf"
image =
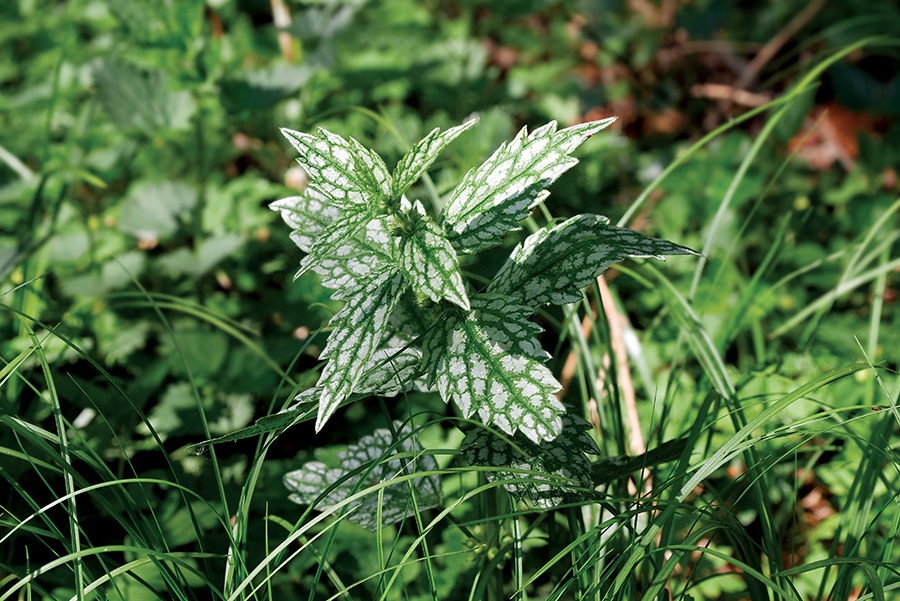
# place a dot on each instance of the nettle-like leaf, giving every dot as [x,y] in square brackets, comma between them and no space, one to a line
[351,177]
[487,361]
[344,171]
[429,261]
[563,469]
[554,264]
[422,155]
[372,457]
[492,198]
[358,329]
[352,261]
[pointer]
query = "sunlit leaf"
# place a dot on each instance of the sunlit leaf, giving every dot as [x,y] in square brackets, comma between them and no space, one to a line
[358,329]
[554,264]
[494,197]
[343,171]
[422,155]
[486,361]
[429,261]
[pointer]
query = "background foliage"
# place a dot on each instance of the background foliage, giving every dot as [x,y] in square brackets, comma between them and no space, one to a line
[148,300]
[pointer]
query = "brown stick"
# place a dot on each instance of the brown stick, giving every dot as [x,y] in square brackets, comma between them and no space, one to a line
[626,384]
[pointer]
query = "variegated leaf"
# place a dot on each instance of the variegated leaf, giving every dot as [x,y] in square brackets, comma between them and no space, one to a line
[349,264]
[306,485]
[341,231]
[343,171]
[484,361]
[358,330]
[309,217]
[422,155]
[391,371]
[494,197]
[554,264]
[407,321]
[564,469]
[429,261]
[353,265]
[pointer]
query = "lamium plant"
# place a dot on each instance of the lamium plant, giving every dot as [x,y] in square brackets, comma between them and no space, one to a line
[409,319]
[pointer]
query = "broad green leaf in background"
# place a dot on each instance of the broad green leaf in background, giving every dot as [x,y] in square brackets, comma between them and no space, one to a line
[492,198]
[154,209]
[554,264]
[415,162]
[358,329]
[561,458]
[429,261]
[140,98]
[308,483]
[203,258]
[488,362]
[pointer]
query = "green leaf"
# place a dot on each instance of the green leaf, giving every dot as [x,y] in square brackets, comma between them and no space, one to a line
[358,329]
[142,99]
[554,264]
[429,261]
[307,484]
[564,471]
[422,155]
[487,361]
[155,210]
[343,171]
[494,197]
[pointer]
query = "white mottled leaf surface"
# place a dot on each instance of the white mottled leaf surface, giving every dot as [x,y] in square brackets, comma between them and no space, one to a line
[357,261]
[564,471]
[346,260]
[494,197]
[307,484]
[554,264]
[358,331]
[309,216]
[487,362]
[422,155]
[429,261]
[343,171]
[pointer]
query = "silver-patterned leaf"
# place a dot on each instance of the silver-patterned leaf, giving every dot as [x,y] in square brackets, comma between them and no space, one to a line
[352,266]
[554,264]
[484,361]
[358,330]
[494,197]
[343,171]
[342,230]
[309,217]
[429,261]
[564,469]
[391,371]
[349,262]
[377,450]
[422,155]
